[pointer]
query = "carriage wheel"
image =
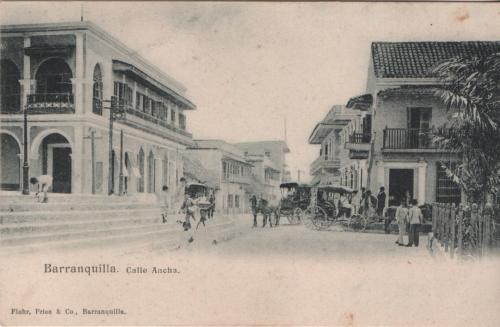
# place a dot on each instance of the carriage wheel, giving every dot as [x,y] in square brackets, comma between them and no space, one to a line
[319,218]
[291,219]
[358,222]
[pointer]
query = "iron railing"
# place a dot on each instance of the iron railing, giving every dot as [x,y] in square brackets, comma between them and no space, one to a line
[49,103]
[360,138]
[407,138]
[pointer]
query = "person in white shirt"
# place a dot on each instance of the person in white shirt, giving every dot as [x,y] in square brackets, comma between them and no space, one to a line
[401,219]
[44,182]
[415,218]
[164,198]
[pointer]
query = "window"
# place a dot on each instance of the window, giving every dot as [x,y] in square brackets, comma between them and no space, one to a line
[138,101]
[224,169]
[236,201]
[182,121]
[447,191]
[172,116]
[124,92]
[229,200]
[268,153]
[97,91]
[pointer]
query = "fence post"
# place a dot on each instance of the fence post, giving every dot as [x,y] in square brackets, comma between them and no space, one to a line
[447,211]
[439,224]
[460,229]
[488,215]
[474,227]
[452,229]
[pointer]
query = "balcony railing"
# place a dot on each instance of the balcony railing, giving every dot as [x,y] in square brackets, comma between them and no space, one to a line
[407,138]
[10,103]
[156,120]
[325,163]
[50,103]
[360,138]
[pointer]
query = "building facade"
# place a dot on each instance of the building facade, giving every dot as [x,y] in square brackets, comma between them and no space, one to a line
[404,107]
[64,75]
[268,175]
[232,173]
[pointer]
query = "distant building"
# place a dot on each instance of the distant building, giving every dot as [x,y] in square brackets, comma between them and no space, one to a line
[274,150]
[267,174]
[62,74]
[232,173]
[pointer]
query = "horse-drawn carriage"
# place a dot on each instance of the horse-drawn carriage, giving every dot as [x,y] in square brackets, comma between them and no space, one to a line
[294,201]
[329,204]
[199,193]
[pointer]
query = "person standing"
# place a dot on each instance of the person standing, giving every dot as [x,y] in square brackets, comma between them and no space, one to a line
[253,206]
[401,219]
[188,207]
[211,210]
[44,182]
[164,203]
[415,218]
[381,202]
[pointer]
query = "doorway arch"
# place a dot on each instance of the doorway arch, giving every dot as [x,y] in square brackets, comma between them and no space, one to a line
[10,165]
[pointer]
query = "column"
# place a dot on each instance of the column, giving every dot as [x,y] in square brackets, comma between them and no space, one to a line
[78,81]
[422,171]
[77,156]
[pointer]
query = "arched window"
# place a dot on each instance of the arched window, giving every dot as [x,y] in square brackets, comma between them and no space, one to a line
[9,87]
[151,172]
[54,77]
[140,162]
[97,91]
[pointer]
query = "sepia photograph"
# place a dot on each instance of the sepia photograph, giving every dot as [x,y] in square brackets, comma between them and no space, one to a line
[249,163]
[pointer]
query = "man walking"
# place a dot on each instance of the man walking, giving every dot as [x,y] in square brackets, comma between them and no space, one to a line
[415,217]
[253,206]
[211,210]
[164,203]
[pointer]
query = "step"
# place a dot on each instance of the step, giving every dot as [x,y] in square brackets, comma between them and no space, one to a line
[73,215]
[166,236]
[75,235]
[7,230]
[18,207]
[77,198]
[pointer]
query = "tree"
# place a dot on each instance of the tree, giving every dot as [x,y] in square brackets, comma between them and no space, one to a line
[470,89]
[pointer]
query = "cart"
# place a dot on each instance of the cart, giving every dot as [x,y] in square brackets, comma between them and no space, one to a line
[199,193]
[325,206]
[294,201]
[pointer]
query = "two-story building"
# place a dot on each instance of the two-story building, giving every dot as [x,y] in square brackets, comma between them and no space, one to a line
[333,158]
[233,173]
[64,75]
[404,108]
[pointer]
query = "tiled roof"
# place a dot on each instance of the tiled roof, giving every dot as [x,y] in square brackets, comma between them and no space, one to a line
[416,59]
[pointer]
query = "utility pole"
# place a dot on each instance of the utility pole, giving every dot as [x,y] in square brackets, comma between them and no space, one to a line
[26,167]
[92,139]
[120,185]
[111,180]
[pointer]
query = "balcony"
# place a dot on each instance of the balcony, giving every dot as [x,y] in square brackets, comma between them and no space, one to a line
[359,142]
[407,139]
[328,164]
[131,113]
[50,103]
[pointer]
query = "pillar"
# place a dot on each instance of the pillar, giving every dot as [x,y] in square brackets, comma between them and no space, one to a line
[422,171]
[77,156]
[78,81]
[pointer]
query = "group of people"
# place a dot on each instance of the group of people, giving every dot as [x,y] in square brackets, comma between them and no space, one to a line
[372,206]
[188,205]
[409,217]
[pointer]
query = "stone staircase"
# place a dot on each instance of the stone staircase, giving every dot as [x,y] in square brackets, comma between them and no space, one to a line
[76,221]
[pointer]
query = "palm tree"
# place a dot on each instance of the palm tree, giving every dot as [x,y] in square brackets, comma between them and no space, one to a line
[470,89]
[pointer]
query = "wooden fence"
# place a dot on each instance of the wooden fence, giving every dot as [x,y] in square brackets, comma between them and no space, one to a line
[465,230]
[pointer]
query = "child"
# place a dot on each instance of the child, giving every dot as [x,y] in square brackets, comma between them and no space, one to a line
[44,183]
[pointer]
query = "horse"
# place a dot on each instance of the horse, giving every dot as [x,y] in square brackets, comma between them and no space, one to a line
[267,210]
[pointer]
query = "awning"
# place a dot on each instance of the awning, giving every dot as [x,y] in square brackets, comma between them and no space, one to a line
[195,172]
[144,78]
[361,102]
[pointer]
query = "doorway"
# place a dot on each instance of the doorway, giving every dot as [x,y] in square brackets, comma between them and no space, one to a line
[61,170]
[400,182]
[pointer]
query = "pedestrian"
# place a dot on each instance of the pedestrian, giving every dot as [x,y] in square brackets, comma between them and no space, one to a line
[188,207]
[415,218]
[381,202]
[362,201]
[211,210]
[44,182]
[401,219]
[253,206]
[164,203]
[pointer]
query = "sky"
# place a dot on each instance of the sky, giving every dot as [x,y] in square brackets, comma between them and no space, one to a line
[247,66]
